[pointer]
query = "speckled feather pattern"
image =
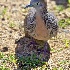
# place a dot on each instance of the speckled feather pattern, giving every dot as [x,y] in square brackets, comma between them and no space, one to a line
[49,19]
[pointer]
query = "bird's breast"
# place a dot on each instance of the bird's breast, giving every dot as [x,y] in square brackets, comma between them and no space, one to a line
[40,32]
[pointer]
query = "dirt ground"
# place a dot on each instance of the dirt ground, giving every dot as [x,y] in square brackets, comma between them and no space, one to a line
[12,17]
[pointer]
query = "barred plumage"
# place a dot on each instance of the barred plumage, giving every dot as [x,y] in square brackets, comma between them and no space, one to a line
[49,19]
[40,25]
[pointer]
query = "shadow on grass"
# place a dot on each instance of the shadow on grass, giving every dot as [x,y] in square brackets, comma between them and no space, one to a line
[31,56]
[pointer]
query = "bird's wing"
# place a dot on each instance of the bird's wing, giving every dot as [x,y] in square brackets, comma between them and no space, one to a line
[29,22]
[51,23]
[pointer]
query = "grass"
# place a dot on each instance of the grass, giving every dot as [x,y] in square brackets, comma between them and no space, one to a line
[55,68]
[1,55]
[59,8]
[61,64]
[68,1]
[4,11]
[66,42]
[4,59]
[4,68]
[12,24]
[64,22]
[55,51]
[12,58]
[66,45]
[32,61]
[29,62]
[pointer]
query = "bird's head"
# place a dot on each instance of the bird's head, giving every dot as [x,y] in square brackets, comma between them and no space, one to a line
[37,4]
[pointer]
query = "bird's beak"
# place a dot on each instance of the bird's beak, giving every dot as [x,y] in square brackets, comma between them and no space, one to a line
[28,6]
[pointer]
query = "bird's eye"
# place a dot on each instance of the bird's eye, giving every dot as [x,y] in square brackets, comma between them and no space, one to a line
[38,3]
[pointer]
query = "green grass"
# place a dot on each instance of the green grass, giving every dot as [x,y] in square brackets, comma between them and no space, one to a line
[6,58]
[55,68]
[68,1]
[4,11]
[67,43]
[55,51]
[29,62]
[12,24]
[4,68]
[61,64]
[60,68]
[1,55]
[64,22]
[59,8]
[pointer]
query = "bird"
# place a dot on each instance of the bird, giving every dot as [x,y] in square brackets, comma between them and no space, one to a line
[40,24]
